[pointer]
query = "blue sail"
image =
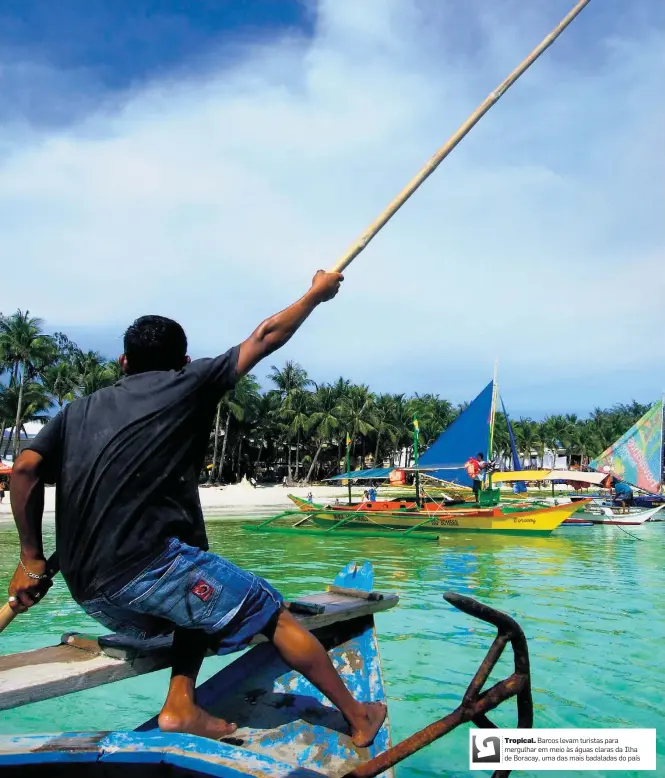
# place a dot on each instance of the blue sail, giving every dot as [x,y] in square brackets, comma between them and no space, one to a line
[467,436]
[520,486]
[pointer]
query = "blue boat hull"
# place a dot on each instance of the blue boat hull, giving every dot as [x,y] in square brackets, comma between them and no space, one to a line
[286,728]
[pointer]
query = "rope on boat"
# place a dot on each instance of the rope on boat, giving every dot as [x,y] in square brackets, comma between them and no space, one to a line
[628,533]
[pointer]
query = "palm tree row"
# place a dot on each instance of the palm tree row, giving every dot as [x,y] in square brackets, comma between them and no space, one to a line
[41,372]
[296,428]
[583,439]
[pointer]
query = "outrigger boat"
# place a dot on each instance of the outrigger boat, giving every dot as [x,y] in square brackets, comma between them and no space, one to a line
[416,523]
[595,510]
[286,728]
[638,457]
[427,518]
[605,514]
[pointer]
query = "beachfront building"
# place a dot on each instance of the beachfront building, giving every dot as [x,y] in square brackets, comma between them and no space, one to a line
[28,432]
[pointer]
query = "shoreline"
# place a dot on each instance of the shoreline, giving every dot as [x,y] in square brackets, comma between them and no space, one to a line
[235,500]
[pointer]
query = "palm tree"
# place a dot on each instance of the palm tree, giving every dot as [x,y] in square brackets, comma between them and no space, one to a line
[34,404]
[401,420]
[265,427]
[341,389]
[296,411]
[24,345]
[94,372]
[526,434]
[246,394]
[357,410]
[558,433]
[324,421]
[230,409]
[235,404]
[60,382]
[291,378]
[382,417]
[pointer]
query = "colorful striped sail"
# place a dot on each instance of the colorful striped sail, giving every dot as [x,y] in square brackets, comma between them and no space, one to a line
[637,457]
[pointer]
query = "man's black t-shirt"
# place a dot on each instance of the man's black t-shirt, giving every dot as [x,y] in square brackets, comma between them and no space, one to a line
[126,462]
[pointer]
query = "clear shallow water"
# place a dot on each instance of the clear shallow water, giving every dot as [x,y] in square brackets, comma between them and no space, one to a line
[590,601]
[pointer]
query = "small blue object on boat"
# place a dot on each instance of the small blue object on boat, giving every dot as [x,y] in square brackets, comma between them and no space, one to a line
[355,577]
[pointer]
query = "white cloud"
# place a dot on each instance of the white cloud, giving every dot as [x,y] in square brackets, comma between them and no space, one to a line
[213,198]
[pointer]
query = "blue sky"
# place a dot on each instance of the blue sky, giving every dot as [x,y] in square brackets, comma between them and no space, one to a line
[202,159]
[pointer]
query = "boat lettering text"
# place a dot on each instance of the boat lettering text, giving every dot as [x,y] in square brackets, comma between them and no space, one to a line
[525,521]
[447,522]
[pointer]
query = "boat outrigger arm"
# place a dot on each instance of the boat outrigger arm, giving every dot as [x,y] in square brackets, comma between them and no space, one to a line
[278,715]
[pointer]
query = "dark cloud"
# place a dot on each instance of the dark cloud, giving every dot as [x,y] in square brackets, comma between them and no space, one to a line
[60,60]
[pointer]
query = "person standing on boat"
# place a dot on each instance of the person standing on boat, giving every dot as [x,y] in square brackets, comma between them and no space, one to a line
[130,536]
[474,468]
[623,494]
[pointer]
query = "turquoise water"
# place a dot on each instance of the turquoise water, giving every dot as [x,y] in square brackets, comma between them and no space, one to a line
[590,601]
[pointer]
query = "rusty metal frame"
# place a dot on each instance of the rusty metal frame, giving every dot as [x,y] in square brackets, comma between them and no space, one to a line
[476,703]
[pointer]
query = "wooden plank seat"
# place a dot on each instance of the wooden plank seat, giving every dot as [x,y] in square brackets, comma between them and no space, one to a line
[83,662]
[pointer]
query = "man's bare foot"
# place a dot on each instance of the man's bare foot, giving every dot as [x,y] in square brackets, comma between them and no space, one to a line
[365,729]
[195,721]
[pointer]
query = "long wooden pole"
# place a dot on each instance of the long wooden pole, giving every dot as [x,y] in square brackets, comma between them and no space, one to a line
[443,152]
[6,613]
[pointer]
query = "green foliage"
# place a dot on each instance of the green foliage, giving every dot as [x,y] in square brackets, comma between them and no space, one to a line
[295,426]
[42,372]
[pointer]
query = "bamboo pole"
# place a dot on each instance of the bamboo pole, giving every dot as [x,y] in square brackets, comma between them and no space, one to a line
[443,152]
[7,613]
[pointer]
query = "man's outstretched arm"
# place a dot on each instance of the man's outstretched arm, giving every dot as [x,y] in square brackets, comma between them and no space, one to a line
[27,500]
[274,332]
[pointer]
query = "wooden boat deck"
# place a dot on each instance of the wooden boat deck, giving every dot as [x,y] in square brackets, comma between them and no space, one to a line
[82,662]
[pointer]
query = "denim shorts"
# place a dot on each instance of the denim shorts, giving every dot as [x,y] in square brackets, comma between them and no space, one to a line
[193,589]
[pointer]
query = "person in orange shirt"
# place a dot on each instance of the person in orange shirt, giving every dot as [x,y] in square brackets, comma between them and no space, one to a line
[474,467]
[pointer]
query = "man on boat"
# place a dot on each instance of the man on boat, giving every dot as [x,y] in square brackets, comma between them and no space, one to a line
[130,535]
[623,494]
[474,468]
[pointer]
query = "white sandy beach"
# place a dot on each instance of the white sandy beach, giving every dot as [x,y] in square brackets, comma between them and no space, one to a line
[234,500]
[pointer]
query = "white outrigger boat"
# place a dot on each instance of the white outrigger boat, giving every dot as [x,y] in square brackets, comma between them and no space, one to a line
[599,511]
[595,510]
[605,514]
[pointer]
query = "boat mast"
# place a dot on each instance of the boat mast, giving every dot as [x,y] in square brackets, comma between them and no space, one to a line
[662,443]
[416,435]
[495,391]
[348,463]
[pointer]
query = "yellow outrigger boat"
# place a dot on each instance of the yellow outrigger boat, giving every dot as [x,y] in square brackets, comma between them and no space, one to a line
[315,519]
[540,521]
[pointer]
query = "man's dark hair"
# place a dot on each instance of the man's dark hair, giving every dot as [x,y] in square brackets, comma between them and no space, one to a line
[154,343]
[480,455]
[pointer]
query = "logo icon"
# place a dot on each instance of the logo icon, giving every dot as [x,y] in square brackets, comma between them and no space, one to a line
[485,749]
[202,590]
